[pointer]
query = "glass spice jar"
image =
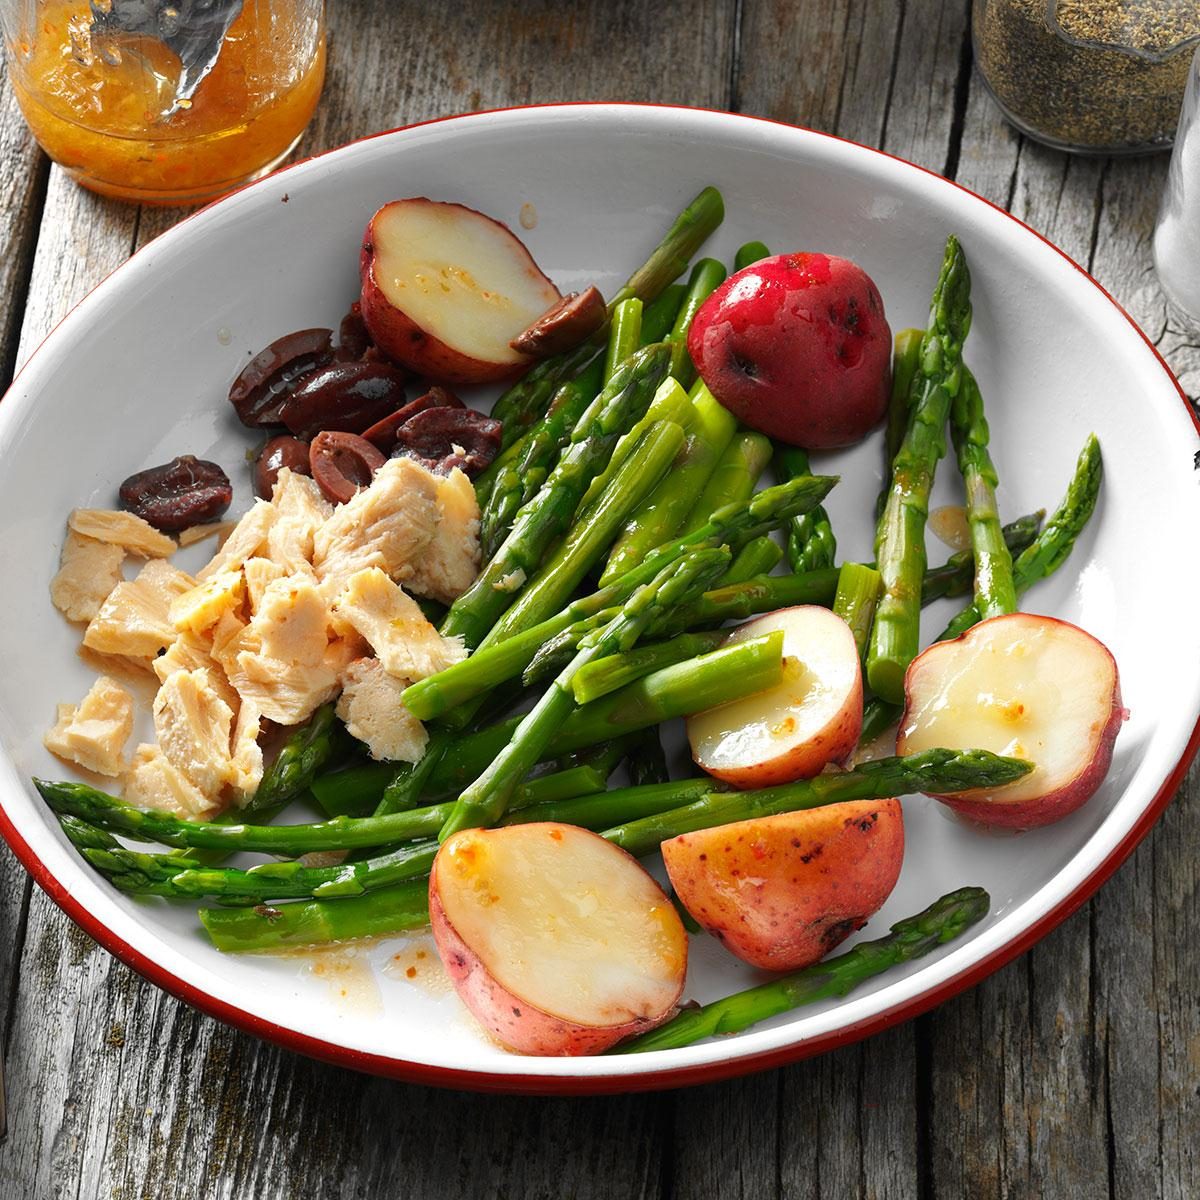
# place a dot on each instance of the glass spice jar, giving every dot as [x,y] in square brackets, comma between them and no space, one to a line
[1088,76]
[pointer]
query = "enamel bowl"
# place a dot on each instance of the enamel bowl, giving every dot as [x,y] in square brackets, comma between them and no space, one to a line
[138,373]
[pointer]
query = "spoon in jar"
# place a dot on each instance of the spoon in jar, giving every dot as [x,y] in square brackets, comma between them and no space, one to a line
[193,30]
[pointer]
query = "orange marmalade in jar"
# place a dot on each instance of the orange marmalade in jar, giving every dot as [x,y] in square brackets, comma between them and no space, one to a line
[113,105]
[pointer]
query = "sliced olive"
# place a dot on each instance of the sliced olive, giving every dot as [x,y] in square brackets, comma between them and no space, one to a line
[186,491]
[267,380]
[342,463]
[279,452]
[383,433]
[444,438]
[572,320]
[344,396]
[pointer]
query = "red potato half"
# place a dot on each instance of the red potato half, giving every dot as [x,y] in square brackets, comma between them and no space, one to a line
[445,289]
[781,892]
[812,717]
[1029,686]
[558,941]
[798,347]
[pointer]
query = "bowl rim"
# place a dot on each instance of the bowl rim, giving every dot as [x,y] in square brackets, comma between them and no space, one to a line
[662,1077]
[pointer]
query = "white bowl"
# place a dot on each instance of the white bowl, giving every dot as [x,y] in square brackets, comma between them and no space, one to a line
[138,372]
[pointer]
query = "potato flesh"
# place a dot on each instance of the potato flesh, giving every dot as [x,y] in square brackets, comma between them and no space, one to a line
[459,275]
[819,669]
[1024,686]
[564,920]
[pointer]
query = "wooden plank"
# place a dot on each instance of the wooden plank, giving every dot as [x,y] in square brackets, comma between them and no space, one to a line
[137,1095]
[25,169]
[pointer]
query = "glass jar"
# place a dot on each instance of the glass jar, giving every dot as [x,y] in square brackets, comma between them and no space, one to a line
[114,106]
[1177,233]
[1089,76]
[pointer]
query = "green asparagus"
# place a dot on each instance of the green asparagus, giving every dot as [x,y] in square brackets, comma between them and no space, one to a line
[549,513]
[760,556]
[303,755]
[749,254]
[732,480]
[900,540]
[659,315]
[707,275]
[659,516]
[485,801]
[624,335]
[911,938]
[857,596]
[995,592]
[810,541]
[518,482]
[905,359]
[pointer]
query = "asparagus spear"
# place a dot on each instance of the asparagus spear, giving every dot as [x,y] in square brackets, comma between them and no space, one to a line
[624,335]
[911,938]
[757,557]
[1041,558]
[994,590]
[659,812]
[303,755]
[692,686]
[605,675]
[732,480]
[900,540]
[936,770]
[401,907]
[956,576]
[810,541]
[660,514]
[905,359]
[525,401]
[319,922]
[647,762]
[707,275]
[732,525]
[549,513]
[670,403]
[857,596]
[485,801]
[518,482]
[749,254]
[659,315]
[593,529]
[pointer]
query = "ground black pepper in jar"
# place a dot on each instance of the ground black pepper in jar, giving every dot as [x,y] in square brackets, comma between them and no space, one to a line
[1091,76]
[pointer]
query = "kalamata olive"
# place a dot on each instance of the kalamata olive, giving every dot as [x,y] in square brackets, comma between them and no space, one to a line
[344,396]
[268,378]
[279,452]
[186,491]
[353,339]
[342,463]
[382,434]
[572,320]
[443,438]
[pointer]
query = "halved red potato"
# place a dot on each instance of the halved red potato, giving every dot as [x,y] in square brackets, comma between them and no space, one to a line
[781,892]
[445,289]
[812,717]
[1030,686]
[558,941]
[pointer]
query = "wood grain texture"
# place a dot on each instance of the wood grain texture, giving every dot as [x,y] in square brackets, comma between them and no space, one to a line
[1073,1072]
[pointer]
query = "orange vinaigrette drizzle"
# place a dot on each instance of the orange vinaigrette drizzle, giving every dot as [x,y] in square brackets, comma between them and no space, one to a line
[98,109]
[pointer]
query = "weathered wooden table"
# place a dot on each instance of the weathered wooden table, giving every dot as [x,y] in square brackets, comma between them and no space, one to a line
[1073,1072]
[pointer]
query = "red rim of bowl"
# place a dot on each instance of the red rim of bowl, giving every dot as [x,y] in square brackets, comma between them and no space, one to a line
[484,1081]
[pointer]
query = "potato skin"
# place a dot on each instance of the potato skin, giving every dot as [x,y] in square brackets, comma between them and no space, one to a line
[781,892]
[990,808]
[798,347]
[405,342]
[514,1022]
